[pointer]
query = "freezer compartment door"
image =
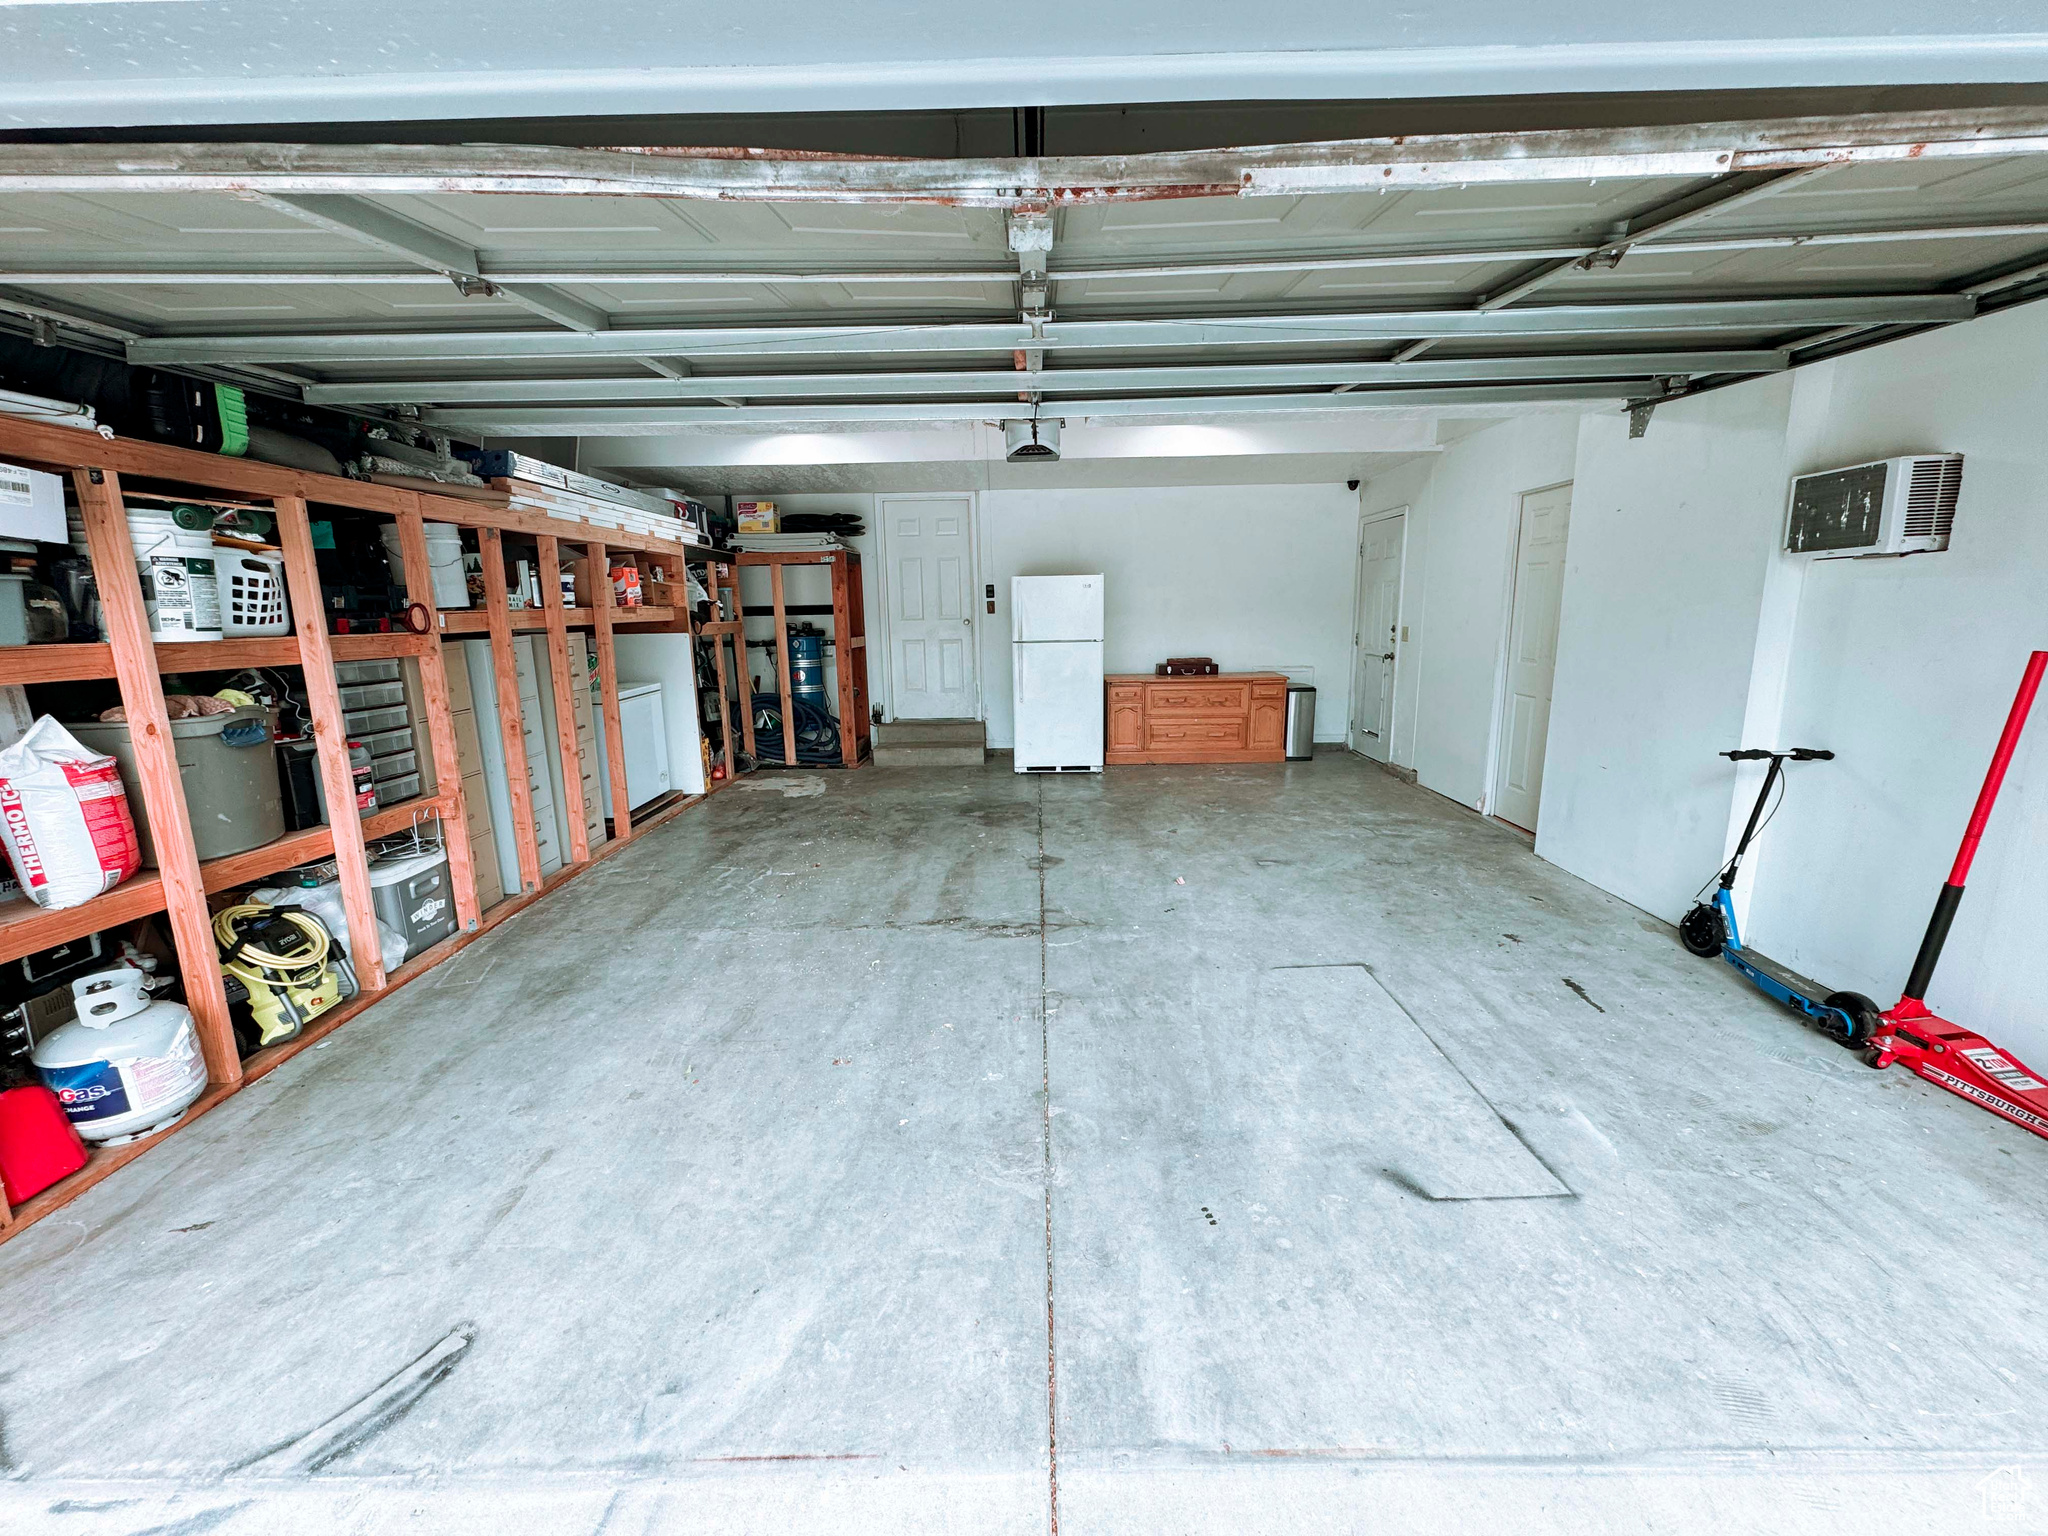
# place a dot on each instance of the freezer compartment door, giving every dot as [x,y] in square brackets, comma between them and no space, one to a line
[1059,705]
[1055,608]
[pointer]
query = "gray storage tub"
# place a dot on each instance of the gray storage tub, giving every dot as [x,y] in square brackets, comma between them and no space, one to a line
[230,774]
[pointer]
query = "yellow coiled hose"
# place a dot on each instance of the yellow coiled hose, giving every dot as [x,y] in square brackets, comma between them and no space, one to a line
[261,966]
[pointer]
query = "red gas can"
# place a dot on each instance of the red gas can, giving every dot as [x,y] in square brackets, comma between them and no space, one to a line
[37,1143]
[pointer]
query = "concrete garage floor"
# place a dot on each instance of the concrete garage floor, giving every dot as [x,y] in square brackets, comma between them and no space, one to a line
[782,1174]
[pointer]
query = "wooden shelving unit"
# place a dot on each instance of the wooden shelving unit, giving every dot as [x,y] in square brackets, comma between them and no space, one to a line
[179,888]
[849,645]
[735,684]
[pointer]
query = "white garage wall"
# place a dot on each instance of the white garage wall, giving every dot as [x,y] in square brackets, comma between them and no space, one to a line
[1671,538]
[1463,505]
[1259,577]
[1906,668]
[1685,632]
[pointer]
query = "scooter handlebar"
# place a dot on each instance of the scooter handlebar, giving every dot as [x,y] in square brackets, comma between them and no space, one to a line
[1797,754]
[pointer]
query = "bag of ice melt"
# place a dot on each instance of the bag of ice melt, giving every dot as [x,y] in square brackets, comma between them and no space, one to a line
[64,818]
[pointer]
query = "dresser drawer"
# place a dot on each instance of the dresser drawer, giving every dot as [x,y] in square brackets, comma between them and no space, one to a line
[1196,735]
[1196,698]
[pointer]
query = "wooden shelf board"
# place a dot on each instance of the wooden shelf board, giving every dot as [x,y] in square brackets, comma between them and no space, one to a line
[791,556]
[77,662]
[26,927]
[461,621]
[377,647]
[62,663]
[474,621]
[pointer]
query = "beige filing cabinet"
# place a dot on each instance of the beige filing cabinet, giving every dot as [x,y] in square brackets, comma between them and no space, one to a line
[586,766]
[542,771]
[583,696]
[469,757]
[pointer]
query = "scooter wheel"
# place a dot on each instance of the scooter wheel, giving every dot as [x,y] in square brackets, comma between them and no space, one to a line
[1703,932]
[1864,1016]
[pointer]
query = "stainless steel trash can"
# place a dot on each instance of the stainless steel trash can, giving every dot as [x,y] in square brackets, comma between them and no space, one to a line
[1301,723]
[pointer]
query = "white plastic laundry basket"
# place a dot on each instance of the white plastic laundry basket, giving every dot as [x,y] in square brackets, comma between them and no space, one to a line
[252,595]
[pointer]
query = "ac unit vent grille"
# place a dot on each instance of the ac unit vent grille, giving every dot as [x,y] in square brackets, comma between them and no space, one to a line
[1931,497]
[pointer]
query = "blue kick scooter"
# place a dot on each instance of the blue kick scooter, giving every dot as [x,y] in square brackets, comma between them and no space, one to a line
[1709,929]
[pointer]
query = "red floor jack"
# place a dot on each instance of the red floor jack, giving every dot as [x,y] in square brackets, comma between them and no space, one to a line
[1958,1059]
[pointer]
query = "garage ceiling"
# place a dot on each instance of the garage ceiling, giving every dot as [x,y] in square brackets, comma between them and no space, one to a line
[226,61]
[519,290]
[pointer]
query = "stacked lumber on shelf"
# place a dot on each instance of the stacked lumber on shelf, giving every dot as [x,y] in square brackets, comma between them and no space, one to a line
[538,486]
[529,496]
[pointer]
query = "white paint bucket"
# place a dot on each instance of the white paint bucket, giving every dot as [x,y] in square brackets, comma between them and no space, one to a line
[444,562]
[180,581]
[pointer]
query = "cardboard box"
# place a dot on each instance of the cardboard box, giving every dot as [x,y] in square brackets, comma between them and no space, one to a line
[757,516]
[31,505]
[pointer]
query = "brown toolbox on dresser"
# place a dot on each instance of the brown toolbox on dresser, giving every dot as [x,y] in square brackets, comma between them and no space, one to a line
[1233,717]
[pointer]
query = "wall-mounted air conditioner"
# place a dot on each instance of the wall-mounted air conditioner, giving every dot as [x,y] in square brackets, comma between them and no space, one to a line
[1900,506]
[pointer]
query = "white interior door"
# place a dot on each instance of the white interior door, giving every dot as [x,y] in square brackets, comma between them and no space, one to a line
[1532,654]
[1376,645]
[928,580]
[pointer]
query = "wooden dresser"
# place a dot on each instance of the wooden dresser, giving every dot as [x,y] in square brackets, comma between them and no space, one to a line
[1238,717]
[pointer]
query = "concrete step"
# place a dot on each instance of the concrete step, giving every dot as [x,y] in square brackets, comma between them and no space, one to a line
[921,755]
[930,733]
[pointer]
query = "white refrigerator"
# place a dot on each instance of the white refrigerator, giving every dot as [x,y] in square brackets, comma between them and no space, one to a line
[1056,671]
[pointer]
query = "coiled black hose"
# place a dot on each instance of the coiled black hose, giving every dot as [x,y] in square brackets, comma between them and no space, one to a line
[817,733]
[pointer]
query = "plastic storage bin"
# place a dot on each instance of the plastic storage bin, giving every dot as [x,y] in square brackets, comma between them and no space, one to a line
[368,722]
[384,743]
[230,774]
[13,610]
[391,791]
[371,696]
[366,672]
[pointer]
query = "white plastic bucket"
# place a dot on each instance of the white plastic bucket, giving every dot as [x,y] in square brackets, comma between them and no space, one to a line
[444,562]
[180,583]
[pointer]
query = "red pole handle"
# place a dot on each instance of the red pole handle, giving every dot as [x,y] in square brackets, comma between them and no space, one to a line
[2008,743]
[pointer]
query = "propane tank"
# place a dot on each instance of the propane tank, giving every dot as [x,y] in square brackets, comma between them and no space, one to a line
[127,1066]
